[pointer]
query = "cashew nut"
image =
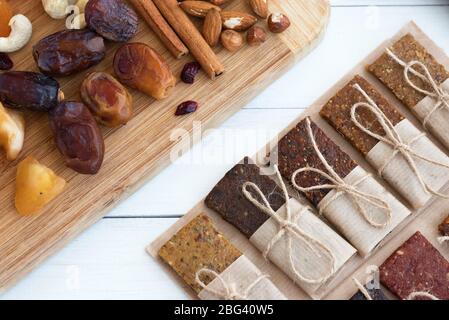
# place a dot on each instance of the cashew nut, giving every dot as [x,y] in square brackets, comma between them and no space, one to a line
[77,20]
[21,30]
[12,131]
[57,9]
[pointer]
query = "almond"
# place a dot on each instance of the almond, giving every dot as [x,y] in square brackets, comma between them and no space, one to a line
[236,20]
[198,8]
[260,7]
[212,27]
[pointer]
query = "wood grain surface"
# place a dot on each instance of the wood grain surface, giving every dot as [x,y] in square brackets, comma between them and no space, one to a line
[138,151]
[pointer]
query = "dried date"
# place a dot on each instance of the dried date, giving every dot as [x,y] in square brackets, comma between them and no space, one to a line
[29,90]
[112,19]
[107,99]
[68,52]
[77,137]
[141,67]
[5,62]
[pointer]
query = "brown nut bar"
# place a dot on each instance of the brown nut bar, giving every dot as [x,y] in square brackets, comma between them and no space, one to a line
[198,245]
[390,73]
[416,266]
[444,227]
[337,112]
[295,151]
[228,200]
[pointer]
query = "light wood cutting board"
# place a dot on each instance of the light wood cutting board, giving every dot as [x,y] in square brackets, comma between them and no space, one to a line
[138,151]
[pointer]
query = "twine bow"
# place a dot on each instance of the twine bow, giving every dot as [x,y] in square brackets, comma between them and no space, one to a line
[341,187]
[421,294]
[393,139]
[289,228]
[437,93]
[229,290]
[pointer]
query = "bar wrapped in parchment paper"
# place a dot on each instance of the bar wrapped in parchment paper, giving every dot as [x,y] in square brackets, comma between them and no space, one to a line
[417,79]
[350,198]
[213,267]
[403,155]
[298,242]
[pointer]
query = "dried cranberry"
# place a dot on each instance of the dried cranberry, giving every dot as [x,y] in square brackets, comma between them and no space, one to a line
[5,62]
[186,108]
[190,71]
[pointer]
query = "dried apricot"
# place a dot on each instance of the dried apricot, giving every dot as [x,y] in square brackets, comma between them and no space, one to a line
[5,16]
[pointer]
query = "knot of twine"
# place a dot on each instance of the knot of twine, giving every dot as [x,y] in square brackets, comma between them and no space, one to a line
[341,187]
[228,290]
[437,93]
[421,294]
[289,228]
[394,140]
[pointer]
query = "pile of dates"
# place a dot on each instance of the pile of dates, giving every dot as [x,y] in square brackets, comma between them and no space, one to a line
[105,99]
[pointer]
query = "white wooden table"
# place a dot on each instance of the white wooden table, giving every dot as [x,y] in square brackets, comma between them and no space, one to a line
[109,262]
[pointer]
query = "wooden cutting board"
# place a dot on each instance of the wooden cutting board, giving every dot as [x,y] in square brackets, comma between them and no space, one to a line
[139,150]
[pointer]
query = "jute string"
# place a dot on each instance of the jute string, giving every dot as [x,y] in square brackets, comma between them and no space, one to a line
[421,294]
[438,93]
[393,139]
[289,228]
[342,188]
[362,289]
[229,290]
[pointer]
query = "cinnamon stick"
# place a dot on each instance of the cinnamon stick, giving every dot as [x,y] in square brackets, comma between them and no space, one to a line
[190,35]
[150,13]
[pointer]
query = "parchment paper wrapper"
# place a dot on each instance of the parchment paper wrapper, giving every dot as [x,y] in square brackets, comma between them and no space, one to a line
[438,124]
[398,172]
[306,261]
[349,221]
[242,272]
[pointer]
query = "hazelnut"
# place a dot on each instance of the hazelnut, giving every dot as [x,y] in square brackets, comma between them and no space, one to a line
[231,40]
[278,22]
[256,36]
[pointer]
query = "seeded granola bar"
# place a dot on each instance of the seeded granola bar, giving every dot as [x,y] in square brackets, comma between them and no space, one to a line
[337,112]
[295,151]
[416,266]
[198,245]
[390,73]
[228,200]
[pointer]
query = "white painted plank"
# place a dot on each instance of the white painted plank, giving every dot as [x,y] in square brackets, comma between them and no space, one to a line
[108,261]
[185,182]
[352,34]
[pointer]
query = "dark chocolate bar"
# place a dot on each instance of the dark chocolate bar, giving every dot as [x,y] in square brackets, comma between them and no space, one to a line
[228,200]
